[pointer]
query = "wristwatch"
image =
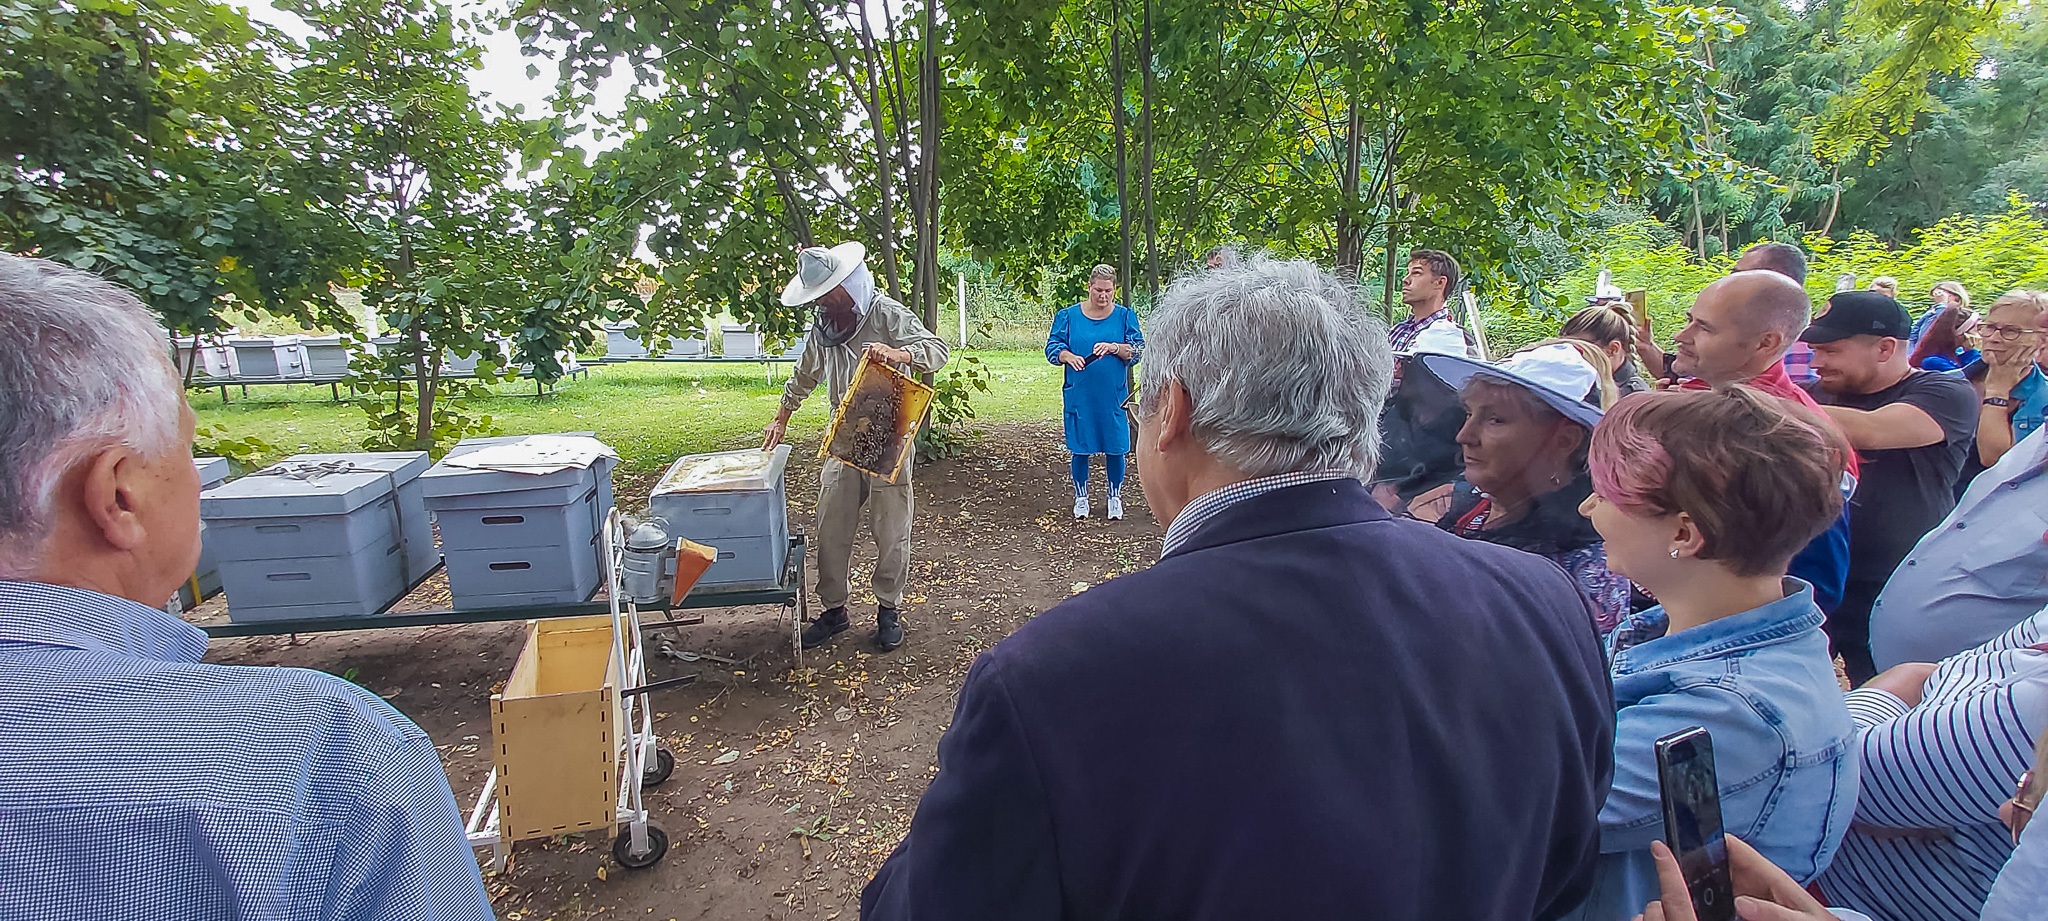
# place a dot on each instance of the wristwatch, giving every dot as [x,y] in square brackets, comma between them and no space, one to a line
[1997,401]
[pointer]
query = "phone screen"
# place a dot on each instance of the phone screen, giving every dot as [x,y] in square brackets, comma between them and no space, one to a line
[1692,821]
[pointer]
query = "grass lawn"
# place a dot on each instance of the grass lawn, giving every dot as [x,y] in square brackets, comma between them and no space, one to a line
[650,413]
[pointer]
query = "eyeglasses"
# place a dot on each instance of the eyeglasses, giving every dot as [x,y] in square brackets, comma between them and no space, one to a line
[2002,331]
[1131,403]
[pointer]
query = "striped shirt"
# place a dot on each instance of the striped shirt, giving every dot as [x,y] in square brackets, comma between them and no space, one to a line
[1211,503]
[1927,842]
[138,783]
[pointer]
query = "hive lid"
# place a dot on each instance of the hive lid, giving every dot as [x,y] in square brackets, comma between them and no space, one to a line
[402,465]
[451,476]
[726,471]
[297,488]
[212,470]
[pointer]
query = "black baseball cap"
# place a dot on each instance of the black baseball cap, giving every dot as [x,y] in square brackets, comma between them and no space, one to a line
[1859,313]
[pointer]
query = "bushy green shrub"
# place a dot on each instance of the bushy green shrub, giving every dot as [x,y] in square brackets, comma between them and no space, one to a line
[1989,254]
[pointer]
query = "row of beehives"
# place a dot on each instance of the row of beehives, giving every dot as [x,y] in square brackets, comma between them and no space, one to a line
[622,340]
[346,535]
[287,357]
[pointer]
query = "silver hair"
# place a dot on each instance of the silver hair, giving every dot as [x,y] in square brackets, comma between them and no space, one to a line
[1101,273]
[84,366]
[1286,370]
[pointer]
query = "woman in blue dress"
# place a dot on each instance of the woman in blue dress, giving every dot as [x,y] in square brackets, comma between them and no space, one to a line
[1097,341]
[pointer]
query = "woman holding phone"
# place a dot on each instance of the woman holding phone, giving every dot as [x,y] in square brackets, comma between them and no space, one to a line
[1703,496]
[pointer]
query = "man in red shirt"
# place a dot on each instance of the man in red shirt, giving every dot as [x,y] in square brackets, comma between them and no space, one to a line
[1737,332]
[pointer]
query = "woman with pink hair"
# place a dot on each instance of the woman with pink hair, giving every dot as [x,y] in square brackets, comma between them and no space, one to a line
[1703,496]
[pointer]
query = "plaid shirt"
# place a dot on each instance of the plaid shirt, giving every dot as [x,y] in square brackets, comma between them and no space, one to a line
[1401,336]
[137,783]
[1212,503]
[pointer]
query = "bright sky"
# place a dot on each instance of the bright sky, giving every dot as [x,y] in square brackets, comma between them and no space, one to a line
[503,77]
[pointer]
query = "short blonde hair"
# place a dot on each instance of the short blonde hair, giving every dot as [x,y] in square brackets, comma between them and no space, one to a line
[1102,272]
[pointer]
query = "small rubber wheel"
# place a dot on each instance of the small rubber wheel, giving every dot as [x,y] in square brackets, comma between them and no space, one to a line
[664,765]
[657,845]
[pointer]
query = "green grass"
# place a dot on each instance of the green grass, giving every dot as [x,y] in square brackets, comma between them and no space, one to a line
[650,413]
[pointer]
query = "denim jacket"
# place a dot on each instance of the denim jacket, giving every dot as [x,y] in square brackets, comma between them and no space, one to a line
[1763,684]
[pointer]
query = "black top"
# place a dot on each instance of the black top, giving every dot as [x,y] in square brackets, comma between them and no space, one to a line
[1551,526]
[1905,492]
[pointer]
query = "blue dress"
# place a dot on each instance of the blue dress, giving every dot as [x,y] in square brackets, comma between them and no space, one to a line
[1094,396]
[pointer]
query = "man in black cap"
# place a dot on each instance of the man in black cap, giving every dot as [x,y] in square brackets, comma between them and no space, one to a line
[1912,429]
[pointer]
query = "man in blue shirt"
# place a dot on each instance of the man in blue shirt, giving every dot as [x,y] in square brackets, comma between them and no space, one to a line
[135,781]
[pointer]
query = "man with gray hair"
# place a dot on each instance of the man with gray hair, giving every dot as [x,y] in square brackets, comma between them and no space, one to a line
[135,781]
[1306,708]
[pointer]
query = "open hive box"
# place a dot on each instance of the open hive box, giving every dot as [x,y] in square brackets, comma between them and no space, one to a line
[556,739]
[876,421]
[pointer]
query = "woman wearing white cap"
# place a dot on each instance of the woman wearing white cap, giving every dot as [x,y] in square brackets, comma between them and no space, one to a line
[854,320]
[1523,445]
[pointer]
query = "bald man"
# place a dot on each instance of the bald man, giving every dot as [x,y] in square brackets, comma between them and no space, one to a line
[1737,332]
[1739,329]
[1784,259]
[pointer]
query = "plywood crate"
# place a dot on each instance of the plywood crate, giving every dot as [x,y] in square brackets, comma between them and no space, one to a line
[555,742]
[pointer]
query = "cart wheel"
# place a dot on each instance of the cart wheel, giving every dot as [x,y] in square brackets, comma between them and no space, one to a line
[657,845]
[664,765]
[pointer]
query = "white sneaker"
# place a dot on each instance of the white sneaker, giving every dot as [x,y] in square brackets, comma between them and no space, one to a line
[1116,508]
[1080,507]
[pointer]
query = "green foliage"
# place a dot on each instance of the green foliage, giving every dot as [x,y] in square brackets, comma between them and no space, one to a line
[150,143]
[945,432]
[454,259]
[1915,41]
[1476,124]
[1988,254]
[248,452]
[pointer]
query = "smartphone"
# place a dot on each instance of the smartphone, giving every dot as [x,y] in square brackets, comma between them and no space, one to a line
[1692,821]
[1639,305]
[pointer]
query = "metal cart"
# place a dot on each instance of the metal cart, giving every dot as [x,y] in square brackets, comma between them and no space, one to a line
[635,751]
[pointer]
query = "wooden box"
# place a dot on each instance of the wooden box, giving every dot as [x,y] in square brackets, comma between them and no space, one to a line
[556,744]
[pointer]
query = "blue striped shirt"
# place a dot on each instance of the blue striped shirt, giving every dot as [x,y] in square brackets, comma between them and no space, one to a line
[1927,842]
[1212,503]
[137,783]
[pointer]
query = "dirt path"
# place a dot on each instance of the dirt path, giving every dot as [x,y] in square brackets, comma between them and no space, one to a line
[841,750]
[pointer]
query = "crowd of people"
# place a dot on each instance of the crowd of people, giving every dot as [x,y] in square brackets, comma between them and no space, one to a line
[1417,622]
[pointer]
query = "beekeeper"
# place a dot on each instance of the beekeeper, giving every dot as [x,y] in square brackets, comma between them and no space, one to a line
[854,319]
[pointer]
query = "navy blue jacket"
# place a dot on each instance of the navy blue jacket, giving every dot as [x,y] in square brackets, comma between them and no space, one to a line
[1310,710]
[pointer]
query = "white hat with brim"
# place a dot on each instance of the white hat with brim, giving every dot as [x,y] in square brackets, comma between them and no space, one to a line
[1556,373]
[819,270]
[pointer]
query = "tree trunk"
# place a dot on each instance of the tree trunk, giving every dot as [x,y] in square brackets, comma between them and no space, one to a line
[1151,223]
[1834,203]
[1350,256]
[1393,225]
[928,158]
[1116,117]
[884,171]
[798,216]
[1699,225]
